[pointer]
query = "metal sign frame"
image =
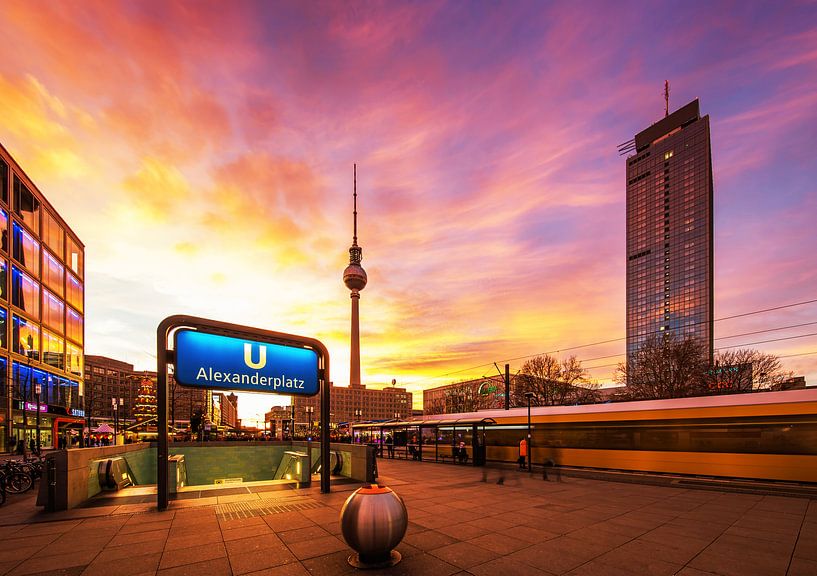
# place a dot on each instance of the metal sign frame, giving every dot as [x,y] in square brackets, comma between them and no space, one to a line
[164,356]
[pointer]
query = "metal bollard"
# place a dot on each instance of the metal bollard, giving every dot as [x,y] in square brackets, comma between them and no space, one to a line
[373,521]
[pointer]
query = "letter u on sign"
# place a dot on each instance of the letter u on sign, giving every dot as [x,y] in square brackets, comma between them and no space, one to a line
[262,356]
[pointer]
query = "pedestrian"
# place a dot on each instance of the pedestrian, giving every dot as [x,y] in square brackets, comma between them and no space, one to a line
[13,445]
[463,455]
[32,446]
[523,453]
[390,446]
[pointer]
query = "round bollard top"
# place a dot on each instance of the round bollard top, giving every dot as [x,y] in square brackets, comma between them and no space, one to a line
[373,489]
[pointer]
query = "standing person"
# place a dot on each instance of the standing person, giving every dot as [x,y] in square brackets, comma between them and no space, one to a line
[390,445]
[32,446]
[463,455]
[523,453]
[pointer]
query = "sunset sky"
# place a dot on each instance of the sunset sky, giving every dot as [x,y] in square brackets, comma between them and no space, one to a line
[203,153]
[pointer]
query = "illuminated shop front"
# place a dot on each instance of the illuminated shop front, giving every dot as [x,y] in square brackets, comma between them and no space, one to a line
[42,301]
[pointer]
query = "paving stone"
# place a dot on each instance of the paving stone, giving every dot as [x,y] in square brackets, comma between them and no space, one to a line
[17,553]
[41,563]
[464,554]
[741,564]
[133,566]
[301,534]
[217,567]
[189,538]
[123,552]
[270,543]
[317,547]
[334,564]
[246,532]
[506,567]
[292,569]
[802,567]
[499,543]
[191,555]
[247,562]
[429,540]
[287,521]
[463,531]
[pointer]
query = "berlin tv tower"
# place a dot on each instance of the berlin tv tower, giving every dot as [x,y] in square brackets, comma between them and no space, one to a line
[355,279]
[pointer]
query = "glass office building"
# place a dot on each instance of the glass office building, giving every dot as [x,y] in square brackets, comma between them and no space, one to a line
[670,230]
[42,302]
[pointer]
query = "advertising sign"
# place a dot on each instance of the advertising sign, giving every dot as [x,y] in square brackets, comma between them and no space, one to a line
[224,362]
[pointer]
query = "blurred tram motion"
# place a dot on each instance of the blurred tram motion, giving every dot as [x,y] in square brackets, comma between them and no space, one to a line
[762,435]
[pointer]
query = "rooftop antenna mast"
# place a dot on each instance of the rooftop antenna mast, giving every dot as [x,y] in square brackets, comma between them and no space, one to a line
[666,98]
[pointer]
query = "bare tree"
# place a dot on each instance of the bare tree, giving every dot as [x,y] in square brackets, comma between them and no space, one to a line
[744,370]
[552,382]
[665,367]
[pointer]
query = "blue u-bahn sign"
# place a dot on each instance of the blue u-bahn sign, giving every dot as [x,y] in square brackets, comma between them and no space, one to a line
[224,362]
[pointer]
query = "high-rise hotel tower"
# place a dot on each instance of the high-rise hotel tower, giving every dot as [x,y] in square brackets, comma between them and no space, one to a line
[669,230]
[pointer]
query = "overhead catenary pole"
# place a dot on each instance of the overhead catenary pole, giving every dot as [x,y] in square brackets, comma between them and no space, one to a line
[507,379]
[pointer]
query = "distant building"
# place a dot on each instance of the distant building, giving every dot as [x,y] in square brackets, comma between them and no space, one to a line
[348,404]
[278,421]
[184,401]
[469,396]
[107,378]
[228,412]
[670,230]
[793,383]
[356,403]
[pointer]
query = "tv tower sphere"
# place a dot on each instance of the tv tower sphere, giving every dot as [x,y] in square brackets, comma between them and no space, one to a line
[354,277]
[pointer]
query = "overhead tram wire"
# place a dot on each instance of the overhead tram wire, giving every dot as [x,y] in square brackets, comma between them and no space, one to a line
[619,339]
[721,338]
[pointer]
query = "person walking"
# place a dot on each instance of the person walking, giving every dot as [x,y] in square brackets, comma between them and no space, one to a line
[523,453]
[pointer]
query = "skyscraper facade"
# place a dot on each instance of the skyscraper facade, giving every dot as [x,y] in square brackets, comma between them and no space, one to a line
[670,230]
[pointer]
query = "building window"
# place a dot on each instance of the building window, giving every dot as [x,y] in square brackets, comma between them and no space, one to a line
[74,331]
[26,205]
[74,292]
[25,292]
[4,185]
[3,316]
[74,359]
[53,350]
[53,312]
[54,274]
[53,234]
[4,224]
[73,257]
[26,250]
[26,337]
[3,268]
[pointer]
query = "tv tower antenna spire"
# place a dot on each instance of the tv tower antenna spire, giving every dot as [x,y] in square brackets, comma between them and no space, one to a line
[354,238]
[666,98]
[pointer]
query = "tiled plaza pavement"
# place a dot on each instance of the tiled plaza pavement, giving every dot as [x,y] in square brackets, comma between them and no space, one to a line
[457,525]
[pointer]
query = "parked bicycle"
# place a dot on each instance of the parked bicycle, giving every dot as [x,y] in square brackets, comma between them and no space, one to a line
[19,475]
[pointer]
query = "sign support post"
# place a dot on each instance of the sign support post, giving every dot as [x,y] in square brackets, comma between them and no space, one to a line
[217,355]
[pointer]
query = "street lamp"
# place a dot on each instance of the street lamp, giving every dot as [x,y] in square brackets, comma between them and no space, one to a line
[116,403]
[529,395]
[309,410]
[38,389]
[358,417]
